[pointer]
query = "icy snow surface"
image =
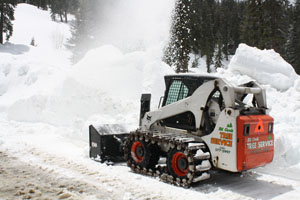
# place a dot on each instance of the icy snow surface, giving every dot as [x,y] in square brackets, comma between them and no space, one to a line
[47,104]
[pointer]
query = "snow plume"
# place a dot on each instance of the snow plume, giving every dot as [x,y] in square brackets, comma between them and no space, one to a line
[133,24]
[131,36]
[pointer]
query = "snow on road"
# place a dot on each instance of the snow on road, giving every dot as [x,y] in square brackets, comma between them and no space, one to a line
[46,106]
[31,160]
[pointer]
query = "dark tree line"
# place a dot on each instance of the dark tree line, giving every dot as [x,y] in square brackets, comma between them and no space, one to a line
[43,4]
[214,29]
[59,8]
[84,28]
[293,38]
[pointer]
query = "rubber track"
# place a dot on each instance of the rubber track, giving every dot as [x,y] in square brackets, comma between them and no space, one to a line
[199,164]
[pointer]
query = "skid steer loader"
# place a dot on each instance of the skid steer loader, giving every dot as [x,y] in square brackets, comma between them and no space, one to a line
[203,122]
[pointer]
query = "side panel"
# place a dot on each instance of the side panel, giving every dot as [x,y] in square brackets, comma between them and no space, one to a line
[222,141]
[255,141]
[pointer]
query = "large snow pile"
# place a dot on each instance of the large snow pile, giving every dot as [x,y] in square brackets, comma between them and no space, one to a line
[122,75]
[265,66]
[283,98]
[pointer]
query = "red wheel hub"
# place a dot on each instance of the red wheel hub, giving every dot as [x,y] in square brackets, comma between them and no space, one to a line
[180,164]
[137,152]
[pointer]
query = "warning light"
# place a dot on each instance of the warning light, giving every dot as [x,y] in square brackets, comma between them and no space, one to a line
[259,127]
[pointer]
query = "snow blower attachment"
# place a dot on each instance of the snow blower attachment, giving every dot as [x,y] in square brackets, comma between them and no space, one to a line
[107,140]
[105,146]
[203,122]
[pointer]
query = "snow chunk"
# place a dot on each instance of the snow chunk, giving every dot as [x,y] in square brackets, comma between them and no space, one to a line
[265,66]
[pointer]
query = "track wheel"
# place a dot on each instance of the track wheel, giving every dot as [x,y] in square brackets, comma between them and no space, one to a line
[178,164]
[143,154]
[138,150]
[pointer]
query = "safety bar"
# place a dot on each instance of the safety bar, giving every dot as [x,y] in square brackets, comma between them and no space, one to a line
[245,90]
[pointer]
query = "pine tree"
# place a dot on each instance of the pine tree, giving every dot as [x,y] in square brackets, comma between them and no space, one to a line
[293,42]
[195,26]
[274,26]
[6,16]
[177,52]
[218,56]
[230,14]
[252,25]
[43,4]
[203,28]
[215,24]
[265,24]
[208,30]
[83,35]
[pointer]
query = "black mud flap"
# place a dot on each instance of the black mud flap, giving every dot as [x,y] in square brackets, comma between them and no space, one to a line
[106,147]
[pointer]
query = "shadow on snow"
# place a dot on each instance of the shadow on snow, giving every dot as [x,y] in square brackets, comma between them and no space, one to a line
[15,49]
[245,184]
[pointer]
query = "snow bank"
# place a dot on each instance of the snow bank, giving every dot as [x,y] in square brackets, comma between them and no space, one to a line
[265,66]
[105,86]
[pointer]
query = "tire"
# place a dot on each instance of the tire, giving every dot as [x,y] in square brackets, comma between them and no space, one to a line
[177,163]
[145,155]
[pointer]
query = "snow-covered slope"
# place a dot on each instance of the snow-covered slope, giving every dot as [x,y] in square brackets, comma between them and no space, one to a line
[29,70]
[46,104]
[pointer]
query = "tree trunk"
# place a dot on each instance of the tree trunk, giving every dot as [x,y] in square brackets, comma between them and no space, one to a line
[61,17]
[66,16]
[1,21]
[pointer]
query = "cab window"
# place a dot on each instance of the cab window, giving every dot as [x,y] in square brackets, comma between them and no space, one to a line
[177,92]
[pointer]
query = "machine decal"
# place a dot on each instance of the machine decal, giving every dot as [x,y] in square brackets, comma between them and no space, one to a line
[257,146]
[228,128]
[225,137]
[222,149]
